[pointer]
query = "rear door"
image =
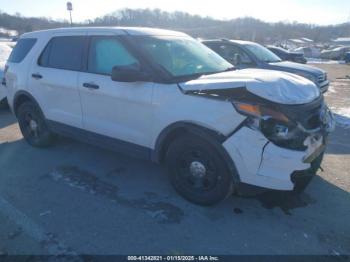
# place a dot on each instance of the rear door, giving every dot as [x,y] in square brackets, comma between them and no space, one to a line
[53,78]
[115,109]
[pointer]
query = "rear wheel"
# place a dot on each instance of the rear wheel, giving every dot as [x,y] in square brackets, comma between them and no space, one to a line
[197,171]
[3,104]
[33,127]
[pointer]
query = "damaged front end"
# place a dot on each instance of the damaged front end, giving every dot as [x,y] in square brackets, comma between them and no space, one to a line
[301,127]
[296,127]
[277,146]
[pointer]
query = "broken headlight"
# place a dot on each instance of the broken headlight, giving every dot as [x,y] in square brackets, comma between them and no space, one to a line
[275,126]
[259,111]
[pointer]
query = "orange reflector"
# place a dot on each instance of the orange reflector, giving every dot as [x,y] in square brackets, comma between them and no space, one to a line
[249,109]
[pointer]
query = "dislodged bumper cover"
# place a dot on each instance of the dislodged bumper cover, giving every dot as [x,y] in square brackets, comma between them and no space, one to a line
[261,163]
[275,86]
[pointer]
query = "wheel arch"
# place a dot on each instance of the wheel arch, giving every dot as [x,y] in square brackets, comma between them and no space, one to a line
[177,129]
[21,97]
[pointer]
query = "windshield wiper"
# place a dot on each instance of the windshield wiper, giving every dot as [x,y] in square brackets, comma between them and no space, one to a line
[272,61]
[188,77]
[232,68]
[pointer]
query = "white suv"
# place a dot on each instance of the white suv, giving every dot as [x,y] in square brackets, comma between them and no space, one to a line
[164,96]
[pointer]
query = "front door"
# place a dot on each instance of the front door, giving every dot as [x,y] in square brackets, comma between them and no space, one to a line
[115,109]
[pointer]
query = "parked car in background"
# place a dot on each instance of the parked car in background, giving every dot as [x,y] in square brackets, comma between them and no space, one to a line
[286,55]
[347,57]
[5,50]
[245,54]
[309,52]
[164,96]
[337,53]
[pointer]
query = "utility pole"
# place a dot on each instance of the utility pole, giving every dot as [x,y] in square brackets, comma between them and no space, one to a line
[349,23]
[70,8]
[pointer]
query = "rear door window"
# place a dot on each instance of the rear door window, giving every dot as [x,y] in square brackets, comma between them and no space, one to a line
[21,49]
[106,52]
[64,52]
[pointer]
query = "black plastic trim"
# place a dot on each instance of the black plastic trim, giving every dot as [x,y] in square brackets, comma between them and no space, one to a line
[114,144]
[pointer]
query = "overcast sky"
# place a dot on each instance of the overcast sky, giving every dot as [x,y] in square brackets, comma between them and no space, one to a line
[307,11]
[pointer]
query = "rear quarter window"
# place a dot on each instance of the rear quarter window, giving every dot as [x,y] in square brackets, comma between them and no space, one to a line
[21,49]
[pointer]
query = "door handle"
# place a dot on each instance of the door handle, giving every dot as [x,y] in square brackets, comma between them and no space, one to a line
[91,86]
[37,76]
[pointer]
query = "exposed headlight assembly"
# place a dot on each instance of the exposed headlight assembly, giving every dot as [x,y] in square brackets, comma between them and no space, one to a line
[280,129]
[273,124]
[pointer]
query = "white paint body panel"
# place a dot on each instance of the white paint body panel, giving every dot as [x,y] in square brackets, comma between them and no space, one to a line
[279,87]
[119,110]
[273,170]
[5,51]
[171,106]
[57,92]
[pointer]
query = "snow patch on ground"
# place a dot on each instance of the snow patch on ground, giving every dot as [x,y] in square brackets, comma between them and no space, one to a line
[340,83]
[8,32]
[331,90]
[324,61]
[342,116]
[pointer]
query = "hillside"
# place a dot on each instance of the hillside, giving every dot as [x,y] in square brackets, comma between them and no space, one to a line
[205,27]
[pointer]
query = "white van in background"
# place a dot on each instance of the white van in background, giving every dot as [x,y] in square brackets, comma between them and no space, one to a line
[5,51]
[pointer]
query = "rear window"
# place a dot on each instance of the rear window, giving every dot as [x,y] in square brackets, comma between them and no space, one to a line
[21,49]
[64,52]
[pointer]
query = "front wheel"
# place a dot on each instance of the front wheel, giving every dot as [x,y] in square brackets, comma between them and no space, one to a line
[33,127]
[197,171]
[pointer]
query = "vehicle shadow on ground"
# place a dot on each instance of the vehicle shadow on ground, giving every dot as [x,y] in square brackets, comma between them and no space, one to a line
[84,173]
[6,118]
[144,187]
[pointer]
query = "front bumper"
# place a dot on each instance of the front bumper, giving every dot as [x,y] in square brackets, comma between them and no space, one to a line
[302,178]
[261,163]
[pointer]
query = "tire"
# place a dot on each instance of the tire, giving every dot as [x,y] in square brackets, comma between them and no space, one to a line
[3,104]
[197,171]
[33,127]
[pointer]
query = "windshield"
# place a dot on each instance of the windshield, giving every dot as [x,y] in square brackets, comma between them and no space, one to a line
[182,56]
[262,53]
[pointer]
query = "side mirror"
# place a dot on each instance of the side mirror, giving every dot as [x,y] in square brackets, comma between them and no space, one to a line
[128,73]
[237,60]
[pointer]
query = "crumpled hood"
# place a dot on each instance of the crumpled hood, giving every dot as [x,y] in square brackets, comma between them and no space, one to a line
[278,87]
[296,67]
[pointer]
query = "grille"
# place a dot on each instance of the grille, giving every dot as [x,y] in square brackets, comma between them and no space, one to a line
[322,77]
[308,115]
